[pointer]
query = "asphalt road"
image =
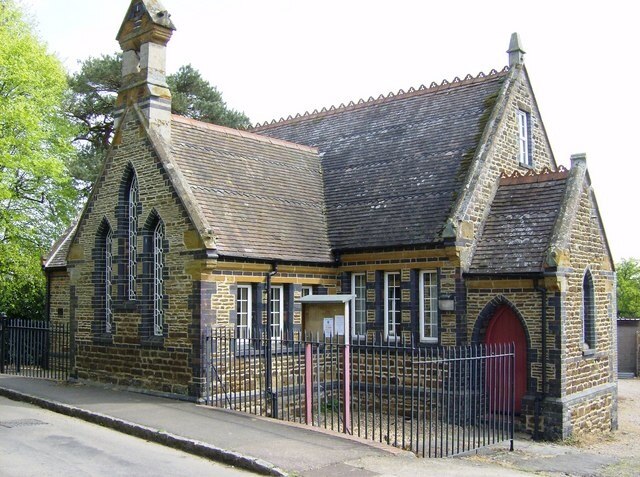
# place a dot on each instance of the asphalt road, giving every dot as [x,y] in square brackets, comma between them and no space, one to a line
[36,442]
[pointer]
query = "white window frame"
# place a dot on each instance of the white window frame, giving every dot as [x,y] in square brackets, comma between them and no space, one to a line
[158,279]
[306,291]
[524,147]
[354,308]
[277,327]
[391,311]
[132,252]
[429,316]
[248,325]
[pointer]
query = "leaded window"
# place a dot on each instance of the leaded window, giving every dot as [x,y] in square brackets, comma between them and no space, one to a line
[392,308]
[277,311]
[108,275]
[429,306]
[132,252]
[588,312]
[158,280]
[243,312]
[359,305]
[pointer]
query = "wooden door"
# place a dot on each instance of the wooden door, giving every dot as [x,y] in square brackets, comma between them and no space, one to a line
[505,327]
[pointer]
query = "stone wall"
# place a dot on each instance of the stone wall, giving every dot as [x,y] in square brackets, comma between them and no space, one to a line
[589,371]
[409,263]
[58,305]
[223,281]
[502,155]
[484,296]
[522,296]
[130,355]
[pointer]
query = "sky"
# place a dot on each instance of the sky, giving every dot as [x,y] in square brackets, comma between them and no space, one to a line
[274,58]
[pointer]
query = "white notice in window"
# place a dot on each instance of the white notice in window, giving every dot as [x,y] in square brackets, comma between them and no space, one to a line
[339,325]
[328,327]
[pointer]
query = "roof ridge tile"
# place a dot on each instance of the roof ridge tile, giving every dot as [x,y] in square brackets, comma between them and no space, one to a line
[531,176]
[412,91]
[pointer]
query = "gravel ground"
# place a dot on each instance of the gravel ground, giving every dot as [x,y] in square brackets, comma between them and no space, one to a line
[611,455]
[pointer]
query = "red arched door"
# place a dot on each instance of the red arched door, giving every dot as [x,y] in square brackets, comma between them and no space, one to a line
[505,327]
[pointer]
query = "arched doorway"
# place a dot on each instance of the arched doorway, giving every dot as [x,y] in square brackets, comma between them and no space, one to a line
[505,327]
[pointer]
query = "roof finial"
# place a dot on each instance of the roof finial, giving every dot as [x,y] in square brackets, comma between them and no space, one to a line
[516,53]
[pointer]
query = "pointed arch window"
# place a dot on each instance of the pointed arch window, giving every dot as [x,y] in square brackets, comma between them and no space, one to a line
[588,312]
[158,280]
[132,249]
[108,275]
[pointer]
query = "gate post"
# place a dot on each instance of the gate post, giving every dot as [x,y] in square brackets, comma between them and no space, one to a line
[308,384]
[347,389]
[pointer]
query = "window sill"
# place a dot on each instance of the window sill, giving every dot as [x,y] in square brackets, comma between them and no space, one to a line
[429,341]
[126,306]
[588,353]
[530,167]
[152,341]
[103,339]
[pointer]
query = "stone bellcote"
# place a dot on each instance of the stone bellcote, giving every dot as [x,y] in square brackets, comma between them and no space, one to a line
[143,37]
[516,53]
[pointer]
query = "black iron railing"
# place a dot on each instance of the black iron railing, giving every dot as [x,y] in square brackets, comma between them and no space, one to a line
[34,348]
[435,402]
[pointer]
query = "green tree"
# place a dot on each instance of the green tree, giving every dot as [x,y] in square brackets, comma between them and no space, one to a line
[93,92]
[37,199]
[628,293]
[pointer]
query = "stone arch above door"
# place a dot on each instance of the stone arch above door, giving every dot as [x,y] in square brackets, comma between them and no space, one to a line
[489,310]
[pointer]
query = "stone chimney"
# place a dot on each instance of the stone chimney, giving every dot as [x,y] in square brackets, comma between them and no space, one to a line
[143,37]
[516,53]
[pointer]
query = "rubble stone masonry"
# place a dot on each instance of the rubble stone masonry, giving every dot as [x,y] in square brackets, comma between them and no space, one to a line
[130,355]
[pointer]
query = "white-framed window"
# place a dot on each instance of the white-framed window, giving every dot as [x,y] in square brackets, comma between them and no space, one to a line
[132,252]
[277,311]
[306,291]
[524,145]
[429,306]
[359,305]
[108,275]
[243,312]
[392,299]
[158,279]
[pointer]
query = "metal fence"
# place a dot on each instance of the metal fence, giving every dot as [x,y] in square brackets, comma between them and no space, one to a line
[435,402]
[34,348]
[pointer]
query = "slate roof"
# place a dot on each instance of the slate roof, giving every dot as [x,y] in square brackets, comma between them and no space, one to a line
[392,166]
[57,257]
[521,220]
[262,197]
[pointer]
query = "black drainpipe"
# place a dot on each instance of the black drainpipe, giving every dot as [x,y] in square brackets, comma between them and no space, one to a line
[270,397]
[540,396]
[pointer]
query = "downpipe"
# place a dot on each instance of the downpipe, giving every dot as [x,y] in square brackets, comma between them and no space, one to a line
[269,395]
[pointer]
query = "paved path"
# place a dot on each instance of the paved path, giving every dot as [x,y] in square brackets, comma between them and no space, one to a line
[262,445]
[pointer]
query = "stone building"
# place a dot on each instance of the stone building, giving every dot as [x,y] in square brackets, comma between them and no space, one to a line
[441,194]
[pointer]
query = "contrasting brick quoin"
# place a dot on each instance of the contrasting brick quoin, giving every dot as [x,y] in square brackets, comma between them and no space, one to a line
[368,188]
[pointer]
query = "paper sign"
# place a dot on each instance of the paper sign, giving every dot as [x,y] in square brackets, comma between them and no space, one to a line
[339,325]
[328,327]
